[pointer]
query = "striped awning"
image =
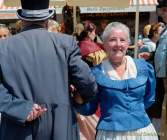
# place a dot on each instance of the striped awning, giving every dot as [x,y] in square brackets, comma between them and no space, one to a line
[144,2]
[7,12]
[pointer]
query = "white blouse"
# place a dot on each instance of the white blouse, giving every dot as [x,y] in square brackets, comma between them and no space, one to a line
[130,72]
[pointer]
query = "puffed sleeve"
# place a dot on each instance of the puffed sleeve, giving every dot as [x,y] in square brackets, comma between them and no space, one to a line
[96,57]
[149,97]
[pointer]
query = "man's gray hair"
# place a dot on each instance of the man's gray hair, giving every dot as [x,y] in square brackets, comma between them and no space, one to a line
[115,25]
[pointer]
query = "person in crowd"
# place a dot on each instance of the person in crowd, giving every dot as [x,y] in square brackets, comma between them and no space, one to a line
[126,88]
[144,35]
[62,27]
[101,27]
[149,45]
[36,69]
[150,40]
[18,26]
[78,29]
[92,53]
[160,58]
[146,30]
[53,26]
[4,31]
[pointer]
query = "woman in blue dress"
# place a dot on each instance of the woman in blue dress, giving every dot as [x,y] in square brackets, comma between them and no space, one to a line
[126,89]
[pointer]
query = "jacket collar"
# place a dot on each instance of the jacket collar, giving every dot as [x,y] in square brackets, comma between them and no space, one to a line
[33,26]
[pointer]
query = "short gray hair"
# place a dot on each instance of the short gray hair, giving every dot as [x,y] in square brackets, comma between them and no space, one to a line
[115,25]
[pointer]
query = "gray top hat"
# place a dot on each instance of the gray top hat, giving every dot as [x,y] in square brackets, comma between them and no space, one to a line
[34,10]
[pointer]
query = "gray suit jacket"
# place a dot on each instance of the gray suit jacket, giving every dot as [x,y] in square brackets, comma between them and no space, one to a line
[37,67]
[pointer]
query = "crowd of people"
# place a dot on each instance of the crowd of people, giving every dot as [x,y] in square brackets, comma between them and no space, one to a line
[55,86]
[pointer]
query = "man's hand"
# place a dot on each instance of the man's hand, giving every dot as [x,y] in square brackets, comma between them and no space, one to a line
[36,112]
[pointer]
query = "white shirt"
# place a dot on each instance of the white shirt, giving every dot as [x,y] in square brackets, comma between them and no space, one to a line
[130,72]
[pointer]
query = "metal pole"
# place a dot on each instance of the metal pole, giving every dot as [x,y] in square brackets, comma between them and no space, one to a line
[136,28]
[74,17]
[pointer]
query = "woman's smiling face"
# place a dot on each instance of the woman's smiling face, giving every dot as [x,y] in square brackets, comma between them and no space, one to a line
[116,45]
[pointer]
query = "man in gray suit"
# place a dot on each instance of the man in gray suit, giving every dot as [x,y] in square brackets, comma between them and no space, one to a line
[36,69]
